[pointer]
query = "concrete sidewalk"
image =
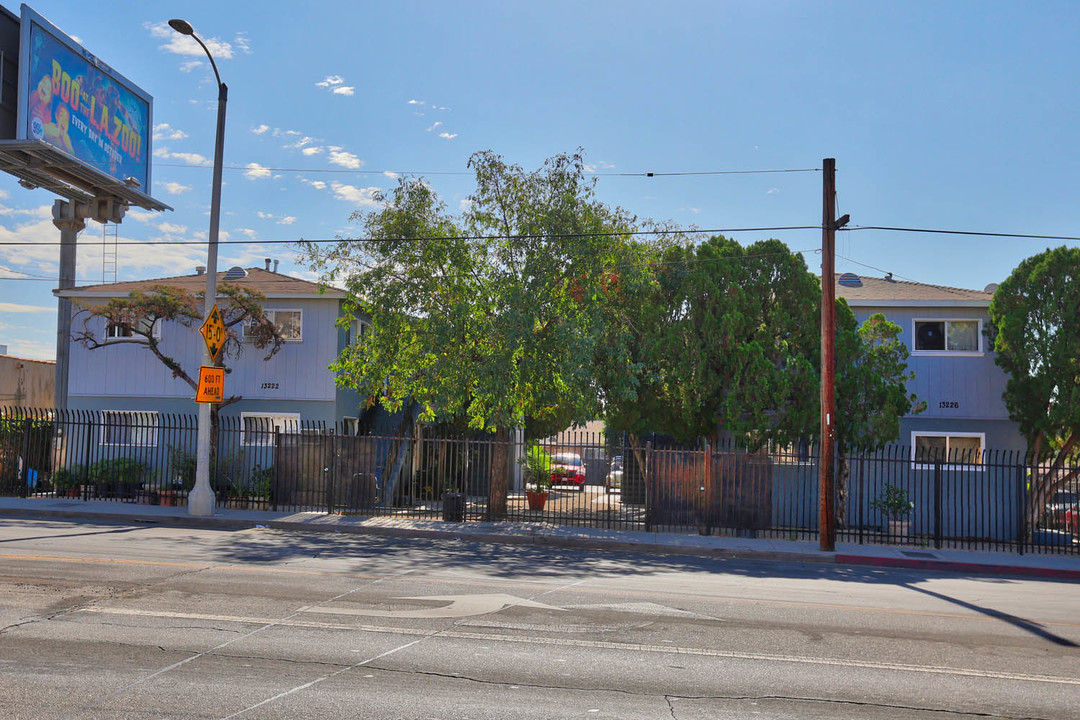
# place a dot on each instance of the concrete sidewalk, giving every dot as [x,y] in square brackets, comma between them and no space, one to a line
[1058,567]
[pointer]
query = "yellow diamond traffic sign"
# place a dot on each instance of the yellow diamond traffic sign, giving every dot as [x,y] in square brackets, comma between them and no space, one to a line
[213,332]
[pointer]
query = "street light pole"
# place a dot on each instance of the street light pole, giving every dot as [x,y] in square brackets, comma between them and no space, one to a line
[201,498]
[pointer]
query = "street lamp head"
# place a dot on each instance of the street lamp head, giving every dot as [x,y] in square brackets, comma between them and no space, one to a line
[181,26]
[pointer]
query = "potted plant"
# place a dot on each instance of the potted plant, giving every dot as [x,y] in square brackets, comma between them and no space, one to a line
[66,481]
[894,503]
[537,465]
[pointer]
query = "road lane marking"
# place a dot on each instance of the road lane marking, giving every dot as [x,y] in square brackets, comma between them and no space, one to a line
[599,590]
[460,606]
[602,645]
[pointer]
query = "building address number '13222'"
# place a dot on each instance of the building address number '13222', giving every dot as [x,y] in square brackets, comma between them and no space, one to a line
[270,386]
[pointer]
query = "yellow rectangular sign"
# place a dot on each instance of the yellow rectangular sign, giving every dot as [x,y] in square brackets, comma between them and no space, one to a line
[211,385]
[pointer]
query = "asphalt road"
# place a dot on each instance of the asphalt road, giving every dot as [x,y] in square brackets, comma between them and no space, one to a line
[106,621]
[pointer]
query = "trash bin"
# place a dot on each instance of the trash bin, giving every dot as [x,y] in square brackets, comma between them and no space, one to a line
[453,507]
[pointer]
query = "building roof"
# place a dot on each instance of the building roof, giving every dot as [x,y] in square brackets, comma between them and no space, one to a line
[872,291]
[270,284]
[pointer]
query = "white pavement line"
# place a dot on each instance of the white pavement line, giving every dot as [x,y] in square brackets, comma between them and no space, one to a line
[306,685]
[603,645]
[245,636]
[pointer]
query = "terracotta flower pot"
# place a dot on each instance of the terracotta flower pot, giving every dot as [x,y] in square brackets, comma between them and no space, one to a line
[537,500]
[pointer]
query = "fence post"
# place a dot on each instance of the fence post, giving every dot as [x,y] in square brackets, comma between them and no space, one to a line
[645,479]
[24,472]
[1021,507]
[937,504]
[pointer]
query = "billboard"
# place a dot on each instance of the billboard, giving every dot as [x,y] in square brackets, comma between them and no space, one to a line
[75,102]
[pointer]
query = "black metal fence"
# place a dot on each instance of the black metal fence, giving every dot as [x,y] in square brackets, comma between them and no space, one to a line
[994,500]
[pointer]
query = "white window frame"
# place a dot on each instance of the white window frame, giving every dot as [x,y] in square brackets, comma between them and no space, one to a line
[290,422]
[974,467]
[155,331]
[950,353]
[146,431]
[271,315]
[356,331]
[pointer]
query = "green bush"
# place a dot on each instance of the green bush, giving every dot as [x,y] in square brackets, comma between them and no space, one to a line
[117,470]
[537,468]
[68,478]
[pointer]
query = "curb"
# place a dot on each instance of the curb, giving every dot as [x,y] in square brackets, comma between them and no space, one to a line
[548,540]
[963,567]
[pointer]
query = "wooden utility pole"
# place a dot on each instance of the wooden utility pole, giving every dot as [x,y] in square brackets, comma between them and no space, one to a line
[827,514]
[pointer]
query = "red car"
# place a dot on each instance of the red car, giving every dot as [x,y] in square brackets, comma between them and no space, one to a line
[566,469]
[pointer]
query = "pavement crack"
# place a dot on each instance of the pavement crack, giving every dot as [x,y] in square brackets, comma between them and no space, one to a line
[670,699]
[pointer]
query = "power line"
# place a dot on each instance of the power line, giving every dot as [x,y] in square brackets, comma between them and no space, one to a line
[566,236]
[964,232]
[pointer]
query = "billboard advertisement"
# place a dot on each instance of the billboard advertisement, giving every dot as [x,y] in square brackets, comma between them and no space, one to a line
[73,101]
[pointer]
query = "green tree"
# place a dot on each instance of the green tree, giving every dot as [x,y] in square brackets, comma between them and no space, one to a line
[493,316]
[725,344]
[1036,337]
[871,390]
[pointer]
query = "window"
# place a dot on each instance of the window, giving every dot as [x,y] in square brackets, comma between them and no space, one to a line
[287,322]
[123,329]
[259,428]
[355,332]
[948,336]
[129,428]
[957,448]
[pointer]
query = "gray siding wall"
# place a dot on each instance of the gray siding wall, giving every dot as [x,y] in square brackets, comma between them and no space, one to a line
[297,376]
[954,387]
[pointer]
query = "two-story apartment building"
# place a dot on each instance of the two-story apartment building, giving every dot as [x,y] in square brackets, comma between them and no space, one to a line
[955,372]
[293,386]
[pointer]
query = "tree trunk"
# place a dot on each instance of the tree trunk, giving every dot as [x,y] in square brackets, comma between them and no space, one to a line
[843,474]
[500,476]
[401,451]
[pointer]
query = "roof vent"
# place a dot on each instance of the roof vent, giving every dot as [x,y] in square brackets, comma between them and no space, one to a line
[991,288]
[235,273]
[850,280]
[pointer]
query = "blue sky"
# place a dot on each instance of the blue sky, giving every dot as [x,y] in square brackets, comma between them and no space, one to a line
[948,115]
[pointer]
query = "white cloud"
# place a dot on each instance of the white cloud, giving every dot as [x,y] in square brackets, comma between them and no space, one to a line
[391,175]
[264,215]
[772,191]
[465,205]
[261,129]
[175,188]
[330,81]
[143,216]
[448,136]
[164,131]
[437,124]
[4,194]
[243,43]
[183,45]
[288,220]
[338,156]
[255,171]
[189,65]
[248,231]
[353,194]
[172,228]
[345,90]
[189,158]
[318,184]
[417,102]
[309,151]
[16,308]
